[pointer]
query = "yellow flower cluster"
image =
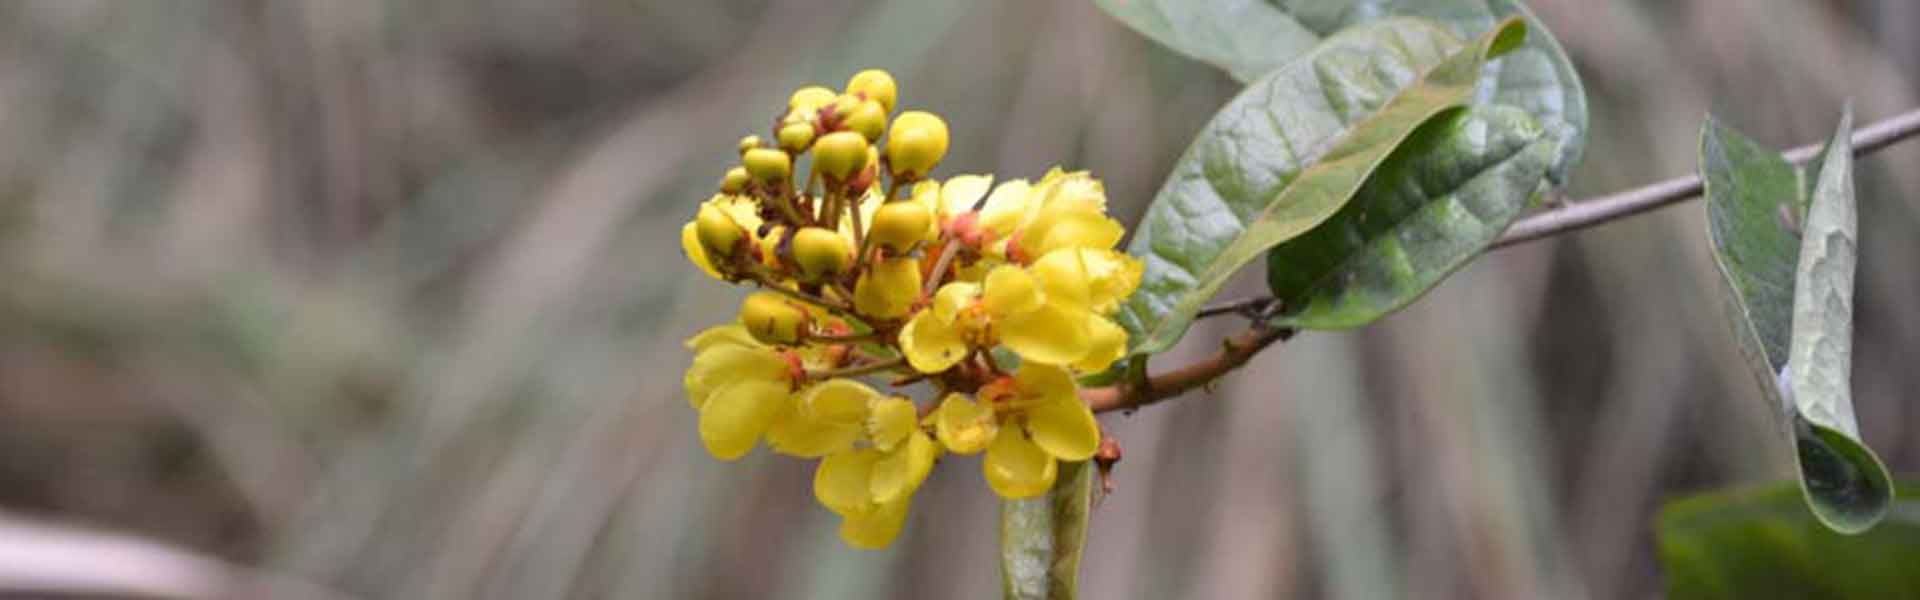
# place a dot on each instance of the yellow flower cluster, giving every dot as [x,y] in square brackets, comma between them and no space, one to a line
[990,299]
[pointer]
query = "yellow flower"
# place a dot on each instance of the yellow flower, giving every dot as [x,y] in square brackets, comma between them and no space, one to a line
[738,385]
[823,419]
[871,487]
[936,338]
[1044,314]
[1026,424]
[1063,210]
[964,426]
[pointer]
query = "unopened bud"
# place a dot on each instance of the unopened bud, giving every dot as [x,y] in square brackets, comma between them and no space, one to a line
[916,143]
[768,165]
[897,226]
[840,154]
[874,84]
[795,137]
[773,319]
[734,181]
[821,253]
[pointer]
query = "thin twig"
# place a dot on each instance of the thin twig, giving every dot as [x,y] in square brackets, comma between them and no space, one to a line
[951,248]
[1595,211]
[1233,353]
[840,308]
[1587,213]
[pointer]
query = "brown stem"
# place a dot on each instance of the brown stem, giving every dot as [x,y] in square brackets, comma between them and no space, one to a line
[766,283]
[1234,352]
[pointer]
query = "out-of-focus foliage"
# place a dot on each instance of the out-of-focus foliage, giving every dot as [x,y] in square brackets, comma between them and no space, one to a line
[1763,543]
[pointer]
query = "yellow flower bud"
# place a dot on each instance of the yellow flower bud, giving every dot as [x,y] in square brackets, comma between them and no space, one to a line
[719,234]
[888,289]
[734,181]
[869,119]
[772,319]
[916,143]
[821,253]
[897,226]
[768,165]
[843,107]
[840,154]
[810,98]
[749,143]
[874,84]
[795,137]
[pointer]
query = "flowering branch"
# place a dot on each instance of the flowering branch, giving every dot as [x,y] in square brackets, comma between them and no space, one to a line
[1581,214]
[1241,347]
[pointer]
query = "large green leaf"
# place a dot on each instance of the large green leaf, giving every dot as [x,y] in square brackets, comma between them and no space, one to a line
[1784,240]
[1440,199]
[1288,153]
[1041,538]
[1763,543]
[1250,38]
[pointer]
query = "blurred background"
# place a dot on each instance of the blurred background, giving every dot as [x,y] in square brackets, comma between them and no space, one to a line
[383,299]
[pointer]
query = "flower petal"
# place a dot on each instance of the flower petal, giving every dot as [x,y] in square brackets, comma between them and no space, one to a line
[840,400]
[1010,290]
[1052,334]
[722,364]
[1045,384]
[1071,229]
[1063,276]
[964,426]
[1113,276]
[731,334]
[877,529]
[1065,430]
[931,346]
[690,244]
[899,474]
[960,192]
[842,482]
[1108,343]
[891,420]
[794,433]
[953,297]
[734,418]
[1007,209]
[1016,468]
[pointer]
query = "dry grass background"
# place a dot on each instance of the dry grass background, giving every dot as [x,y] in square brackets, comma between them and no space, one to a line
[384,297]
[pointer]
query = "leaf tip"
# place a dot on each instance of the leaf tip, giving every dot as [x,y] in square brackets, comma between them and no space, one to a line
[1509,34]
[1846,486]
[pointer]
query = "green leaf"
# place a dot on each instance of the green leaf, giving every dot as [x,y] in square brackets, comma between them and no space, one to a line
[1250,38]
[1784,240]
[1041,538]
[1763,543]
[1287,154]
[1438,201]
